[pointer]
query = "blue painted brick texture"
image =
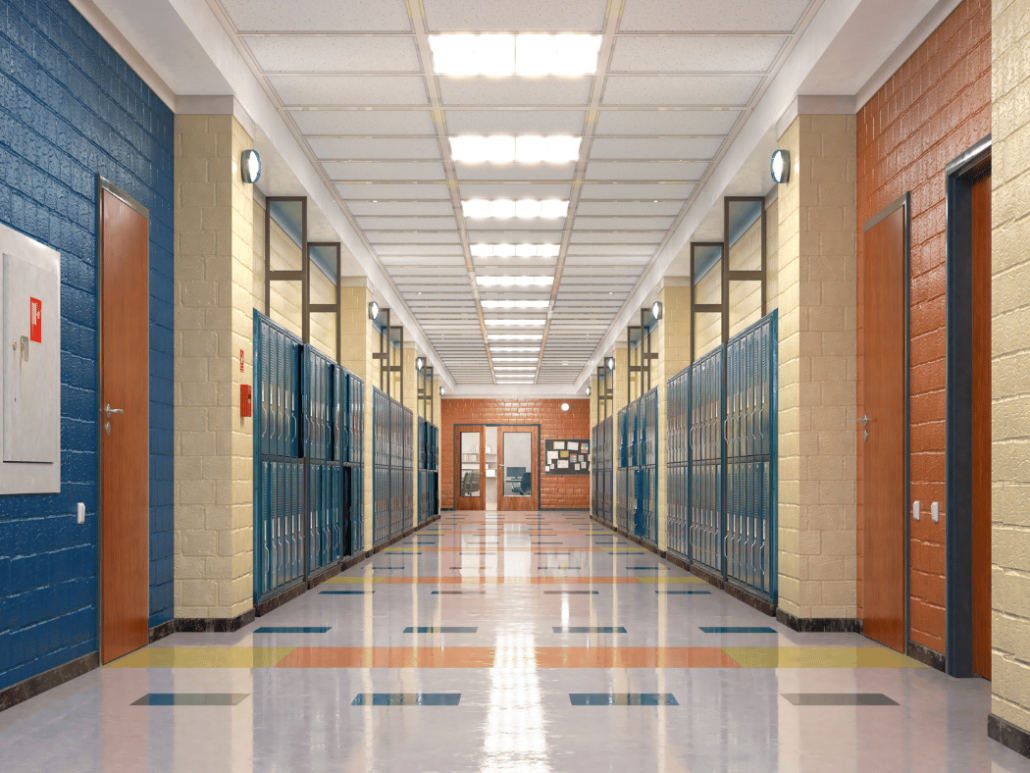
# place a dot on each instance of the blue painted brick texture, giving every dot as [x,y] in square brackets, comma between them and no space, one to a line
[71,108]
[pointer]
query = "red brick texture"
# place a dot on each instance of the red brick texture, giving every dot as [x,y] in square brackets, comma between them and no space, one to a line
[931,110]
[556,491]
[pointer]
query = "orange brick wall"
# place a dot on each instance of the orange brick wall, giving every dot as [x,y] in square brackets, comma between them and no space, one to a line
[931,110]
[556,491]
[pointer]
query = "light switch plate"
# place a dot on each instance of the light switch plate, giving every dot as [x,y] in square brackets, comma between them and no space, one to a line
[935,512]
[915,510]
[81,512]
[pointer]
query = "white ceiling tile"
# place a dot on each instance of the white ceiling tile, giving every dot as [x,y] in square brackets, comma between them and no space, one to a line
[381,170]
[718,53]
[515,122]
[515,191]
[423,262]
[643,170]
[515,171]
[381,191]
[628,208]
[426,249]
[606,260]
[583,223]
[515,91]
[318,15]
[407,223]
[666,121]
[654,148]
[599,238]
[513,264]
[526,15]
[350,90]
[367,148]
[633,191]
[714,15]
[310,53]
[364,122]
[606,249]
[680,90]
[372,208]
[408,237]
[514,237]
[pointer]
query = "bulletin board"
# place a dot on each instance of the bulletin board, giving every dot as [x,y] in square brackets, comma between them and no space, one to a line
[566,457]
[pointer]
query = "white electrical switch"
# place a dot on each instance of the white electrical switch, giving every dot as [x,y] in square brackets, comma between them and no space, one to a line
[935,512]
[915,510]
[82,512]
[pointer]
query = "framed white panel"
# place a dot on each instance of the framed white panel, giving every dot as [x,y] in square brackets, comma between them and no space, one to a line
[318,15]
[515,91]
[526,15]
[711,15]
[383,170]
[364,122]
[515,122]
[363,148]
[642,171]
[311,53]
[680,90]
[716,53]
[350,90]
[30,353]
[669,122]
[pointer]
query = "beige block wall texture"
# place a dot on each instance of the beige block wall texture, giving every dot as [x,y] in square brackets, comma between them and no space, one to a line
[817,326]
[1010,117]
[213,300]
[708,331]
[746,297]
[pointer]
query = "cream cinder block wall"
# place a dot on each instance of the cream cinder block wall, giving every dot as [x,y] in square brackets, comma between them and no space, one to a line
[708,333]
[818,371]
[1010,344]
[213,540]
[746,297]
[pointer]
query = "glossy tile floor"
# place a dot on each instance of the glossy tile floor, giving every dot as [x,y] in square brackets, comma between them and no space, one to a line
[522,642]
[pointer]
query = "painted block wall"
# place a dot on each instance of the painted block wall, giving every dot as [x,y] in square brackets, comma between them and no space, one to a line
[1010,344]
[931,110]
[70,108]
[556,491]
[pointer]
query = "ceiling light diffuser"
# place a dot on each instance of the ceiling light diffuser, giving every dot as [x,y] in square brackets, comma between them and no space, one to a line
[514,359]
[531,149]
[515,322]
[515,281]
[528,55]
[480,209]
[515,349]
[511,250]
[514,337]
[515,304]
[514,367]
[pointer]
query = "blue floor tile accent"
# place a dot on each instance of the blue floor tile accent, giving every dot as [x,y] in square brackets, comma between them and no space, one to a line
[190,699]
[555,553]
[439,629]
[684,592]
[407,699]
[293,629]
[378,568]
[588,629]
[623,699]
[736,629]
[346,592]
[839,699]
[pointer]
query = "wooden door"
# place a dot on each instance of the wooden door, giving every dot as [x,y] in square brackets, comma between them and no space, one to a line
[469,462]
[884,500]
[125,456]
[981,420]
[513,471]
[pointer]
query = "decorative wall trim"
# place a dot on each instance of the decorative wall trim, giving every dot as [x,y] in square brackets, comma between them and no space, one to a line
[819,624]
[40,683]
[1007,734]
[927,656]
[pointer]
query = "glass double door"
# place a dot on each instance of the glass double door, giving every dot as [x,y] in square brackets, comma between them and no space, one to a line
[497,467]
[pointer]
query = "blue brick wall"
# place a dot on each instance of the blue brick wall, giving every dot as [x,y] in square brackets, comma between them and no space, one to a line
[71,108]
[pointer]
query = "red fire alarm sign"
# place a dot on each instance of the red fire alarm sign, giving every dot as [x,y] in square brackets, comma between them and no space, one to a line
[36,320]
[241,360]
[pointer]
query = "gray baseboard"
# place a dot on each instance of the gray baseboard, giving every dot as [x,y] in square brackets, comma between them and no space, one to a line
[927,656]
[1007,734]
[40,683]
[819,624]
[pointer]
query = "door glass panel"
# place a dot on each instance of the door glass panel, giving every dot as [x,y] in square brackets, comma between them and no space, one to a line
[518,464]
[469,464]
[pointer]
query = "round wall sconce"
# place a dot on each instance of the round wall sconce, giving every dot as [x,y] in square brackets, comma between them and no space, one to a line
[780,166]
[656,310]
[250,166]
[610,362]
[373,310]
[442,391]
[419,363]
[588,391]
[565,406]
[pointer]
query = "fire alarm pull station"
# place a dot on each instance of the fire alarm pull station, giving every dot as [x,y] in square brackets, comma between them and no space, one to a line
[245,401]
[30,352]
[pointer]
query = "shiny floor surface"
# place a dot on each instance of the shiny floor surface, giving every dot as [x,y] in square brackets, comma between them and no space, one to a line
[522,642]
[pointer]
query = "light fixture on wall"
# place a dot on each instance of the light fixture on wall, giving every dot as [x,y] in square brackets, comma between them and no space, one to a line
[565,407]
[442,391]
[610,362]
[250,165]
[780,166]
[373,310]
[657,309]
[419,363]
[588,391]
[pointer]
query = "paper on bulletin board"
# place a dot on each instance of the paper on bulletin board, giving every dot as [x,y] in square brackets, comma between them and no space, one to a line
[563,454]
[552,455]
[563,464]
[559,445]
[573,445]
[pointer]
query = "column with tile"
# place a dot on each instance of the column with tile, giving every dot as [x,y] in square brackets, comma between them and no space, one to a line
[817,280]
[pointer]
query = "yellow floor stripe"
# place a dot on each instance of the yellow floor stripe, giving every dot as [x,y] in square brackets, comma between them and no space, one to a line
[203,657]
[820,657]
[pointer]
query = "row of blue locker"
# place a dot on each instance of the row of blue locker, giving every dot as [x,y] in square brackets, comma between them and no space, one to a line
[394,433]
[428,445]
[428,494]
[638,432]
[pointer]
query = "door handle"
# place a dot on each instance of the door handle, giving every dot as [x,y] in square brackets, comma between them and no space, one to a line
[864,421]
[108,410]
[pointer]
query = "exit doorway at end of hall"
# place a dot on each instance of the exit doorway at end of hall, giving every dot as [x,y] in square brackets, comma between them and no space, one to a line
[497,467]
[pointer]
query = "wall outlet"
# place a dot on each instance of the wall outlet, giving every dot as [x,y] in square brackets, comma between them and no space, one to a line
[935,512]
[81,512]
[915,510]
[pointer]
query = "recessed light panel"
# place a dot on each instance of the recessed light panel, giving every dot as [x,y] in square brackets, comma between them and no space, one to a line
[515,304]
[505,209]
[514,337]
[525,150]
[515,281]
[514,349]
[515,322]
[512,250]
[514,367]
[504,55]
[514,359]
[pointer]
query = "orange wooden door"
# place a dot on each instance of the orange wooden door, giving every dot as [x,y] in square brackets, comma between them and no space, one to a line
[125,455]
[981,419]
[470,462]
[513,494]
[883,451]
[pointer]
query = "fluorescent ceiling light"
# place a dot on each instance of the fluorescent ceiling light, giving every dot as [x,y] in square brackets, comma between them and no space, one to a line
[515,367]
[505,209]
[515,304]
[503,149]
[515,349]
[514,337]
[504,55]
[515,281]
[512,250]
[514,359]
[515,322]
